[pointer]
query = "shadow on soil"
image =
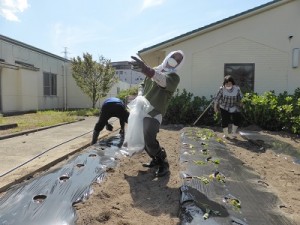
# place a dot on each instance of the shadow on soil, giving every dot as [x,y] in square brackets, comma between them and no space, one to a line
[152,194]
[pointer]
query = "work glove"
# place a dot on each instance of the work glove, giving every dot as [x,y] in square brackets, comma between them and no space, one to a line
[137,63]
[109,127]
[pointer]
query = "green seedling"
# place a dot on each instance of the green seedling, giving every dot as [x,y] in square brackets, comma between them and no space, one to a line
[234,202]
[220,178]
[219,140]
[209,212]
[199,162]
[203,179]
[216,161]
[217,176]
[206,214]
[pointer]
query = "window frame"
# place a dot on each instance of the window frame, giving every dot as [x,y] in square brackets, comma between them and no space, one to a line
[49,84]
[243,75]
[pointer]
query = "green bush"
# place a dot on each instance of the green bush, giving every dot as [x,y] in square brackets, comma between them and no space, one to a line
[184,108]
[268,111]
[128,92]
[273,112]
[261,110]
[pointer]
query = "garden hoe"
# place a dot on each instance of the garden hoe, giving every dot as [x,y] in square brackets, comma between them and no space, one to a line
[203,113]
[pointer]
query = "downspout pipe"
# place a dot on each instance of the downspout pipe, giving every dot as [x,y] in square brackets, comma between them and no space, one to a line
[64,85]
[1,109]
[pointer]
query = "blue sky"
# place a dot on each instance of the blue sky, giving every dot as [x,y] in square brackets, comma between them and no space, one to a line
[115,29]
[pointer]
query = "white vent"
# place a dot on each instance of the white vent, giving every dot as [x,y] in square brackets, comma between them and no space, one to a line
[295,57]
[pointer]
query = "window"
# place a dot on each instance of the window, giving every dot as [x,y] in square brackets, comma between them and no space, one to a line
[120,67]
[50,84]
[243,75]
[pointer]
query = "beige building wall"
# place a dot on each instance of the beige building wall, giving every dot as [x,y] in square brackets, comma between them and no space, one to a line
[28,92]
[22,89]
[265,37]
[11,90]
[75,97]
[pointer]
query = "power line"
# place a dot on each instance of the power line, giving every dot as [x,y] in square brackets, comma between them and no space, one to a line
[65,52]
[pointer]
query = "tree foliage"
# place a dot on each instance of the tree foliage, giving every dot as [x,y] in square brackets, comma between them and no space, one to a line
[94,78]
[128,92]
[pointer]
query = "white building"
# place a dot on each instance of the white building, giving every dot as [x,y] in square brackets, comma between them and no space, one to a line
[258,47]
[126,74]
[32,79]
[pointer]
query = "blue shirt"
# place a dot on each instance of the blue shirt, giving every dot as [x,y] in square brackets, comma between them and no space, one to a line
[113,100]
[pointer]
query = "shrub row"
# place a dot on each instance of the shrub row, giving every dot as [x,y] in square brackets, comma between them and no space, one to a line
[268,111]
[273,112]
[185,108]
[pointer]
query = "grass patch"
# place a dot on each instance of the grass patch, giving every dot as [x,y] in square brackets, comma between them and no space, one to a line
[44,118]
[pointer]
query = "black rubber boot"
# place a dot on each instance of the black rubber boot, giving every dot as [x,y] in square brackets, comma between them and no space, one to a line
[163,165]
[95,137]
[151,164]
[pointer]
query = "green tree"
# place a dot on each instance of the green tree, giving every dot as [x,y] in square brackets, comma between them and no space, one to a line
[128,92]
[94,78]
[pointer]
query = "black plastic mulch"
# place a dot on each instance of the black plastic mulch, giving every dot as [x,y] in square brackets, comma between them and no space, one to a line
[49,199]
[218,189]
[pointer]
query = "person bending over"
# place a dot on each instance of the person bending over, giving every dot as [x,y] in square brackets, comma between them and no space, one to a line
[111,107]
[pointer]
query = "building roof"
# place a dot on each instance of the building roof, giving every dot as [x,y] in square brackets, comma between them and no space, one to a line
[21,44]
[215,25]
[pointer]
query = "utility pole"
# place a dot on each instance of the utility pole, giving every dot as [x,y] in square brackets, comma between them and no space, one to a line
[65,52]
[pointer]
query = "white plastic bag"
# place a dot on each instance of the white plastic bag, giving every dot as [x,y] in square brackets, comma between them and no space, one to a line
[134,136]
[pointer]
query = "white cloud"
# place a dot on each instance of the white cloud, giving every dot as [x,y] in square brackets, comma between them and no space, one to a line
[151,3]
[10,8]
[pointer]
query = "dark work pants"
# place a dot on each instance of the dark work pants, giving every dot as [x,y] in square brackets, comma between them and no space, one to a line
[228,118]
[110,110]
[151,128]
